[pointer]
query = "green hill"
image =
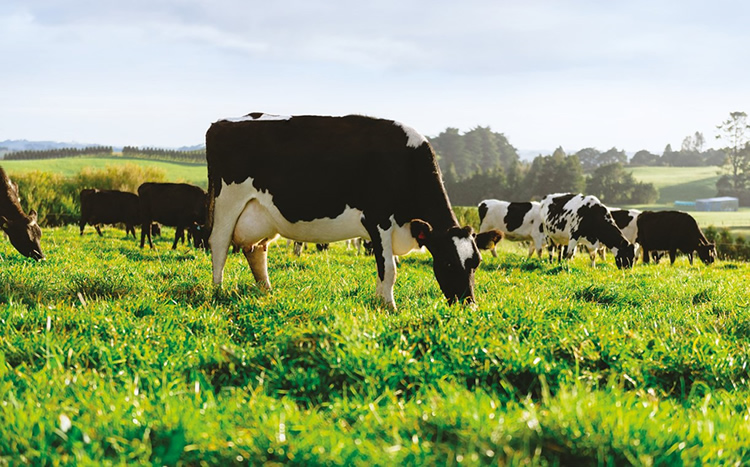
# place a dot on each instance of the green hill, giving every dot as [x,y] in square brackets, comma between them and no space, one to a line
[176,171]
[680,183]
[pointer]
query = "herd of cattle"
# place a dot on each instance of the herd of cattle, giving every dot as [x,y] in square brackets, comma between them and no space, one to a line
[565,220]
[320,179]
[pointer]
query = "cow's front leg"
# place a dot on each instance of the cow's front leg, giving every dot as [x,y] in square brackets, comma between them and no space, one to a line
[382,248]
[257,258]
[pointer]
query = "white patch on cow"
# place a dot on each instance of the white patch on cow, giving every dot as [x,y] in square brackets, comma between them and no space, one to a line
[464,248]
[414,138]
[263,117]
[260,219]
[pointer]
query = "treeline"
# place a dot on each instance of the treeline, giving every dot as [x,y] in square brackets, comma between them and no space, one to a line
[38,154]
[195,156]
[482,164]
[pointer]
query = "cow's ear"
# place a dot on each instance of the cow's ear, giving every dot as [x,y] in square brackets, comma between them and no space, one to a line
[421,231]
[4,224]
[32,215]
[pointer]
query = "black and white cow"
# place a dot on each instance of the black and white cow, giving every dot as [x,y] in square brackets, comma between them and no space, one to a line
[571,219]
[517,222]
[22,230]
[109,207]
[671,231]
[324,179]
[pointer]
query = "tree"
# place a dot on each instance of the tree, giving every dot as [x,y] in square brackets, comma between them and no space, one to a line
[553,174]
[612,184]
[736,132]
[589,158]
[644,157]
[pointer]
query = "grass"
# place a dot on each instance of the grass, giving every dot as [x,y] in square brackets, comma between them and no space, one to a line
[112,354]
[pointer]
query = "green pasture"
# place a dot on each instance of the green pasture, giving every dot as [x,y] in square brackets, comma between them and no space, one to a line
[176,171]
[110,354]
[680,183]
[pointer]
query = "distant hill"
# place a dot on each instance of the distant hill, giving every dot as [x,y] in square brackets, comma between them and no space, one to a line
[12,145]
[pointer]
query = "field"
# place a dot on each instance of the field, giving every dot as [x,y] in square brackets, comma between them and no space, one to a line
[112,354]
[679,183]
[176,171]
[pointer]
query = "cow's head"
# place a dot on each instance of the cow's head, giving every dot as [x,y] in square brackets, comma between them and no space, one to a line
[624,255]
[707,253]
[454,258]
[24,234]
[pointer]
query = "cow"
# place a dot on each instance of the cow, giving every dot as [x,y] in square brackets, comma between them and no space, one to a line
[179,205]
[22,229]
[109,207]
[570,219]
[626,221]
[322,179]
[517,221]
[671,231]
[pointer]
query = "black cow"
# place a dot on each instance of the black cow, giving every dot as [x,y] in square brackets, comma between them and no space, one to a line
[109,207]
[22,230]
[324,179]
[570,219]
[178,205]
[671,231]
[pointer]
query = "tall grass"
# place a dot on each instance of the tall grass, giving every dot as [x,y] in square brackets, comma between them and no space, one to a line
[112,354]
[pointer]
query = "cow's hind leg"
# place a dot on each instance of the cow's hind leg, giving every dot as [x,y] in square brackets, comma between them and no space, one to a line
[227,208]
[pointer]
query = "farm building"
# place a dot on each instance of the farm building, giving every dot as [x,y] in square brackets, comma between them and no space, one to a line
[722,203]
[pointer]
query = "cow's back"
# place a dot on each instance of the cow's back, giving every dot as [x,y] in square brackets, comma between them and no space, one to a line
[315,167]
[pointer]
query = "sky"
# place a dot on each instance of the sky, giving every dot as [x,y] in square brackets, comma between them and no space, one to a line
[546,73]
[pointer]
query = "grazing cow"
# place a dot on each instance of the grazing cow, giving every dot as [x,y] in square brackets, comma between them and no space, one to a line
[324,179]
[517,221]
[109,207]
[178,205]
[22,230]
[671,231]
[626,220]
[570,219]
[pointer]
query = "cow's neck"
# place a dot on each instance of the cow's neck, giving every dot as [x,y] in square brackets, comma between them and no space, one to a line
[9,205]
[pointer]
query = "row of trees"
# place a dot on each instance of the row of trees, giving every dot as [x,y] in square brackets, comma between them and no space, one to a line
[37,154]
[195,156]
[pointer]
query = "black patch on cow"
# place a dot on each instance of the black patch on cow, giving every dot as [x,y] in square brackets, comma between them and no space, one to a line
[622,217]
[556,211]
[358,161]
[515,215]
[482,211]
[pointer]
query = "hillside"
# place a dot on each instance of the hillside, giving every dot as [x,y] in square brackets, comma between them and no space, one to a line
[680,183]
[176,171]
